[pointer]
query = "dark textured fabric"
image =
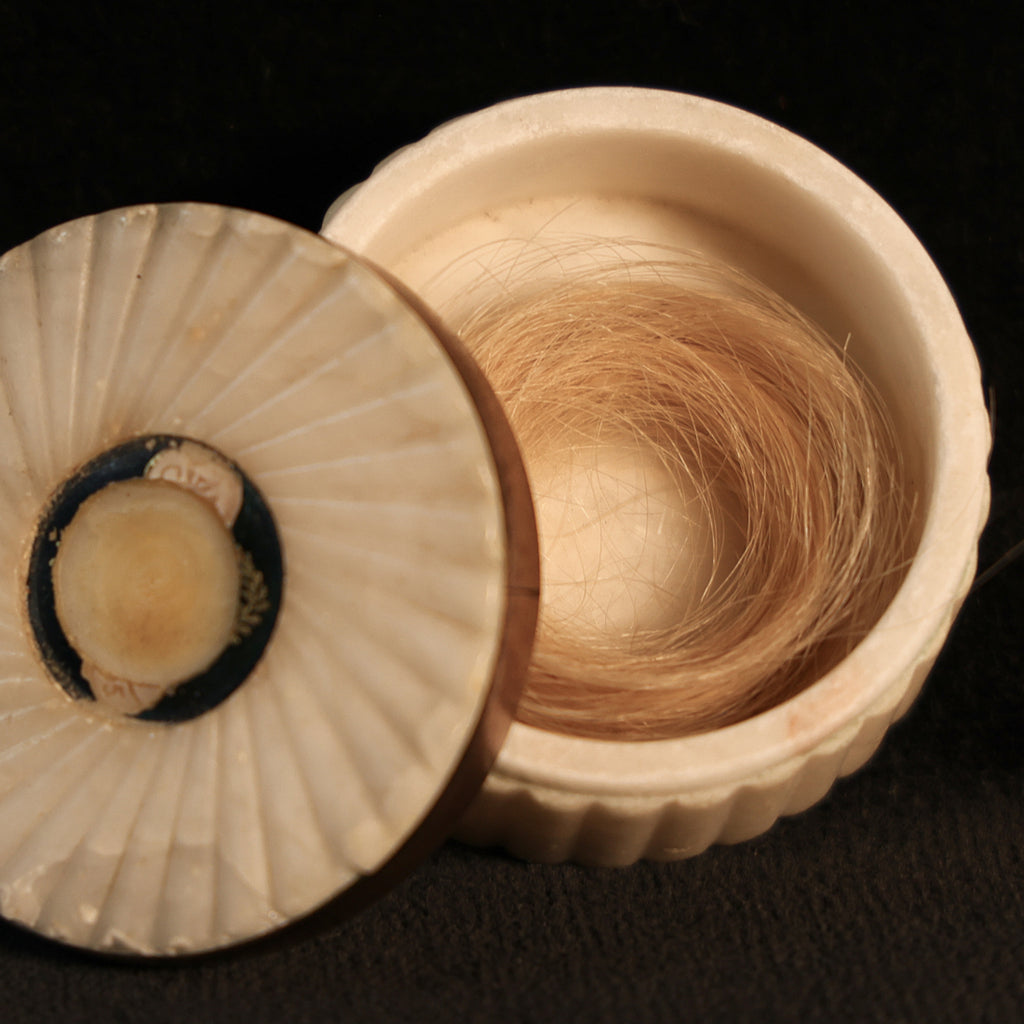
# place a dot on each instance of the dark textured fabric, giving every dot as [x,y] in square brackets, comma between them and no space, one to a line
[901,897]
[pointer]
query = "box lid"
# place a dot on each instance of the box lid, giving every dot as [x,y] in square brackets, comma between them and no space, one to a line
[326,430]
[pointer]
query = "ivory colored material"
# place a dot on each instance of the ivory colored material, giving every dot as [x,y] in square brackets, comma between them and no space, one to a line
[198,470]
[615,519]
[339,404]
[146,586]
[458,216]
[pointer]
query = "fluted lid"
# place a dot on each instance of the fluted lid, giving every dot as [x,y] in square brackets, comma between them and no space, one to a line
[268,579]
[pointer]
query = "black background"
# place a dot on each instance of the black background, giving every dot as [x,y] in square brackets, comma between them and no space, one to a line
[901,897]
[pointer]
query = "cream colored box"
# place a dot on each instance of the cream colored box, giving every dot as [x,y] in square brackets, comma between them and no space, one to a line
[672,169]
